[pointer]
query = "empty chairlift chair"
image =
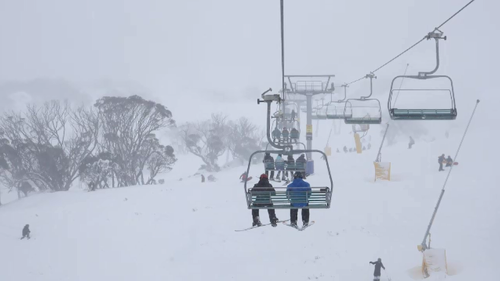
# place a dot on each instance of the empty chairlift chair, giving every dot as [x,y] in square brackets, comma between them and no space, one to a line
[336,108]
[436,113]
[363,110]
[321,113]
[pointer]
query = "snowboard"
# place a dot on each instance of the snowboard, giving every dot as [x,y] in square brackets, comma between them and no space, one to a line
[257,226]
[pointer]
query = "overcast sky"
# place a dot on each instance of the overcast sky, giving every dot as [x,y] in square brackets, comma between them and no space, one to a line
[231,48]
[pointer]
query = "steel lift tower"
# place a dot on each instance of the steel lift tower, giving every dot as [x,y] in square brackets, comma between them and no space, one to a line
[307,86]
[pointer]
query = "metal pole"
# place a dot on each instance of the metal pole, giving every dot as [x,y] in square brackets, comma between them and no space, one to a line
[424,245]
[309,125]
[379,155]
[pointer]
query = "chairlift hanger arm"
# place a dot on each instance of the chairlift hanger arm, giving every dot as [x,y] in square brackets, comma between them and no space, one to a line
[418,42]
[371,76]
[436,35]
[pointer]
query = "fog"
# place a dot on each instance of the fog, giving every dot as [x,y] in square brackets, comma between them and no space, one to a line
[229,51]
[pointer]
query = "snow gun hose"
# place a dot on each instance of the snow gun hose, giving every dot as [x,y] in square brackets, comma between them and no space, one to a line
[424,246]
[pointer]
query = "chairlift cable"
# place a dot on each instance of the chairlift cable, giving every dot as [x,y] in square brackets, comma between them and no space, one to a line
[414,45]
[454,15]
[282,51]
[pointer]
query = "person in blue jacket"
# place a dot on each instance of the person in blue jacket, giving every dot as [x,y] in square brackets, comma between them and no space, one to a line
[298,192]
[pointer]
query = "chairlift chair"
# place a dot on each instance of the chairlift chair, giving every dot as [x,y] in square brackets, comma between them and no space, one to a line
[319,197]
[424,114]
[351,114]
[321,113]
[336,109]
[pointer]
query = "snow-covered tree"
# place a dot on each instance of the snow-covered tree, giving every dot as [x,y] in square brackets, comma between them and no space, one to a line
[129,125]
[207,139]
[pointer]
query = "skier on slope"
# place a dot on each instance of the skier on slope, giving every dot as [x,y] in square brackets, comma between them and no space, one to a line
[378,264]
[411,143]
[449,161]
[26,232]
[263,200]
[244,177]
[298,192]
[441,160]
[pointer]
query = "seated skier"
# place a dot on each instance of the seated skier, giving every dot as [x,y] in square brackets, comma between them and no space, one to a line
[298,193]
[263,200]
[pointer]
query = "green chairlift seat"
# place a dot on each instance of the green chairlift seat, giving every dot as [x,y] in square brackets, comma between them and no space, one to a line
[319,198]
[423,114]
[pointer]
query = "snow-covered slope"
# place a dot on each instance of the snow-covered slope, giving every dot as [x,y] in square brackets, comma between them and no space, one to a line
[184,230]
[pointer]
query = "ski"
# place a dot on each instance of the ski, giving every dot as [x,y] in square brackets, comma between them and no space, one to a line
[257,226]
[300,228]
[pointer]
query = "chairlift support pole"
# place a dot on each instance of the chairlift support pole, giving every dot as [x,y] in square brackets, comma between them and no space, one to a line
[379,154]
[309,89]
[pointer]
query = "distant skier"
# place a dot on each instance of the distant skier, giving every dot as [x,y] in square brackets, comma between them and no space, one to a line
[441,160]
[203,178]
[345,149]
[244,177]
[26,232]
[338,151]
[369,146]
[412,142]
[299,192]
[293,115]
[269,164]
[449,161]
[378,264]
[263,200]
[280,167]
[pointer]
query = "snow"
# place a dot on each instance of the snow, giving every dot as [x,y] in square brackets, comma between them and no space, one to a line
[184,230]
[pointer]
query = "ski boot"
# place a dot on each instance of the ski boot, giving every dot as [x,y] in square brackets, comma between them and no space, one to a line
[256,222]
[305,223]
[274,222]
[294,224]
